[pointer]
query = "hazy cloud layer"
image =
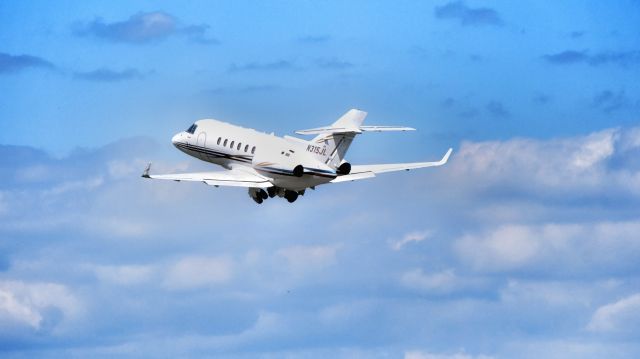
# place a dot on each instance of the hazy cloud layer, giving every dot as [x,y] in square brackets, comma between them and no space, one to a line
[278,65]
[14,63]
[314,39]
[108,75]
[609,101]
[468,16]
[143,27]
[497,109]
[618,58]
[334,64]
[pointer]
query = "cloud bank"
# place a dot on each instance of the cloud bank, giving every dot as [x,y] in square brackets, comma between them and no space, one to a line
[533,235]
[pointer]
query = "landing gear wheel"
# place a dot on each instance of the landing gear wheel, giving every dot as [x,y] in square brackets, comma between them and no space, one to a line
[291,196]
[271,191]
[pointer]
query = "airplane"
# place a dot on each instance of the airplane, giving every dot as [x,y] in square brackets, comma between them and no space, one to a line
[287,166]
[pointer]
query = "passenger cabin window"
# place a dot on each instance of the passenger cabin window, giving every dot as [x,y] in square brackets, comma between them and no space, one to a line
[253,150]
[232,144]
[225,143]
[192,129]
[246,148]
[239,145]
[219,139]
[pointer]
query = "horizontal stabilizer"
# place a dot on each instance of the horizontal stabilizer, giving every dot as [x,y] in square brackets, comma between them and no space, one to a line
[359,129]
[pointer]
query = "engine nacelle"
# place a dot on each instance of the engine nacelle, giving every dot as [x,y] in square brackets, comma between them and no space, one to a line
[279,163]
[344,168]
[289,161]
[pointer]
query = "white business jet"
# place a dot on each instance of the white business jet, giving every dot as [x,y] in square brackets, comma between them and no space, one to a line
[286,166]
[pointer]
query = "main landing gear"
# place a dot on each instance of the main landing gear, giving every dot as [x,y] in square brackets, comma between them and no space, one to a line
[291,196]
[259,195]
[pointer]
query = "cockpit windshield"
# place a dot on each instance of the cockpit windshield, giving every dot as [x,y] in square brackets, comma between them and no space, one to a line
[192,129]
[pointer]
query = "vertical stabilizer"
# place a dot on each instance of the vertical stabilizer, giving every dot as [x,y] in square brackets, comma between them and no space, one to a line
[334,143]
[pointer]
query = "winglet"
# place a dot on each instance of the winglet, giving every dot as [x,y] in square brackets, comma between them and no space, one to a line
[446,157]
[145,174]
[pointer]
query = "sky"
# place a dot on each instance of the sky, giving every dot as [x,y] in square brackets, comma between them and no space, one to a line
[525,245]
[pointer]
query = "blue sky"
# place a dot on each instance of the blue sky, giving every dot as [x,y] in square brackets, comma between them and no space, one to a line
[524,246]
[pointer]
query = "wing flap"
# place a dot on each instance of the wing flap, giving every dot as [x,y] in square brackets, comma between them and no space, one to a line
[232,178]
[353,177]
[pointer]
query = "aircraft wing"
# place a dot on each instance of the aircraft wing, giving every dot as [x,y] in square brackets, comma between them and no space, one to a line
[233,178]
[369,171]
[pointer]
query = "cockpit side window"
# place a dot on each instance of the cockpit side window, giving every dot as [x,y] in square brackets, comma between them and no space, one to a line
[192,129]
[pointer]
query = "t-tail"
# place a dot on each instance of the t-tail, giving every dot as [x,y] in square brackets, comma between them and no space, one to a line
[331,143]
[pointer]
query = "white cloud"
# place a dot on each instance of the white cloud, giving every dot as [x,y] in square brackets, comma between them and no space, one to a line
[26,304]
[623,315]
[595,149]
[416,354]
[439,282]
[78,185]
[506,247]
[123,168]
[124,274]
[196,272]
[577,246]
[348,313]
[15,310]
[559,167]
[303,257]
[408,238]
[116,225]
[554,293]
[35,173]
[569,348]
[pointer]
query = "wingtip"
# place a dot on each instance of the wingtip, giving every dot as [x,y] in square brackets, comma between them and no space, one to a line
[145,174]
[446,156]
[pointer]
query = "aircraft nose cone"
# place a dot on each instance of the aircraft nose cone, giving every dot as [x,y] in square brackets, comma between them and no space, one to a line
[176,139]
